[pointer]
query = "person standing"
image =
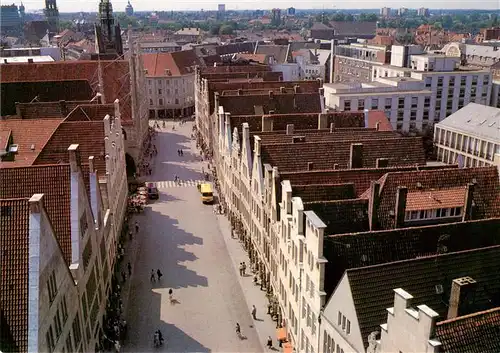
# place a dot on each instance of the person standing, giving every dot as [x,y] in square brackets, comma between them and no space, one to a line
[269,342]
[136,227]
[153,276]
[244,268]
[129,266]
[254,312]
[159,274]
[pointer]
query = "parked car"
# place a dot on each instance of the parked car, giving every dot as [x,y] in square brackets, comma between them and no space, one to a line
[153,193]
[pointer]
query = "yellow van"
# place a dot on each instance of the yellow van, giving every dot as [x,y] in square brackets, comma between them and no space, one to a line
[207,194]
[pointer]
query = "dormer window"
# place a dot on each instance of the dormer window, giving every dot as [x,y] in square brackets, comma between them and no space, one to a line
[433,214]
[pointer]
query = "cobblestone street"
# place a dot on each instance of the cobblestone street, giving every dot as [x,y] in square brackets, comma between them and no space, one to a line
[188,242]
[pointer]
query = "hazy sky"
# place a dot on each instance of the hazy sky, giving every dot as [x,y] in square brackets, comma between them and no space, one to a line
[144,5]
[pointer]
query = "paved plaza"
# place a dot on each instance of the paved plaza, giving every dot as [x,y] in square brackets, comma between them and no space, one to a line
[192,247]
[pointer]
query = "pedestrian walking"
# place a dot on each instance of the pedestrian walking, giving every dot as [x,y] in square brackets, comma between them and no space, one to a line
[241,268]
[153,276]
[178,153]
[129,266]
[182,153]
[244,268]
[159,274]
[130,235]
[136,227]
[124,277]
[254,312]
[269,342]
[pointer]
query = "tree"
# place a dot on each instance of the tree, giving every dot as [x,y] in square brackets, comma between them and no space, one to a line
[215,29]
[226,29]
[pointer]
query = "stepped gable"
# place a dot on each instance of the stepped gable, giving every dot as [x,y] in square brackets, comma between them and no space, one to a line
[372,287]
[324,155]
[486,195]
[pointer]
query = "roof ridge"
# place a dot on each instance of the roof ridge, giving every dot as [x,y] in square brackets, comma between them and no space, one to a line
[48,140]
[468,316]
[422,258]
[331,202]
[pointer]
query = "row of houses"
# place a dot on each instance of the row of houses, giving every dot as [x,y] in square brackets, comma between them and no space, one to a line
[63,198]
[361,244]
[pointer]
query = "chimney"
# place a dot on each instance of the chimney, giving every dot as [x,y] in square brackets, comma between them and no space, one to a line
[36,203]
[321,90]
[335,166]
[256,146]
[297,139]
[377,126]
[271,94]
[381,163]
[240,92]
[296,89]
[310,165]
[74,157]
[289,129]
[63,107]
[271,112]
[373,205]
[332,127]
[366,111]
[267,123]
[461,295]
[356,157]
[282,90]
[401,195]
[30,60]
[5,61]
[322,121]
[469,202]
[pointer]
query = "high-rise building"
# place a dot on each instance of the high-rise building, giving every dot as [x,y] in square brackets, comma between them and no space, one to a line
[107,33]
[290,11]
[22,13]
[423,12]
[9,19]
[129,10]
[221,11]
[276,20]
[52,15]
[385,12]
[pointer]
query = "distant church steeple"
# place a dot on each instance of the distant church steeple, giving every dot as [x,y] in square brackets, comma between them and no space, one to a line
[52,14]
[129,10]
[108,35]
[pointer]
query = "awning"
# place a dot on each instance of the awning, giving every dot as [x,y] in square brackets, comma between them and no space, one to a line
[281,334]
[287,348]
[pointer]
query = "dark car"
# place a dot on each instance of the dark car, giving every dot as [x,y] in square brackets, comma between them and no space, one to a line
[153,193]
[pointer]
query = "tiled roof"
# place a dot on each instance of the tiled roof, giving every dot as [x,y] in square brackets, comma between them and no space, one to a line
[260,58]
[46,91]
[42,110]
[279,52]
[179,63]
[233,69]
[54,182]
[486,194]
[360,178]
[89,135]
[361,28]
[4,138]
[91,112]
[372,287]
[280,103]
[377,116]
[474,333]
[323,192]
[341,216]
[26,133]
[115,76]
[244,76]
[324,155]
[434,199]
[337,135]
[14,230]
[352,250]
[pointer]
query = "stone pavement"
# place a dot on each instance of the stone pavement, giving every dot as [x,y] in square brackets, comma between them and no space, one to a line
[264,325]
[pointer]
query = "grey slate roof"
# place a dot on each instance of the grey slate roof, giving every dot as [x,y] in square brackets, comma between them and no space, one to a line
[475,120]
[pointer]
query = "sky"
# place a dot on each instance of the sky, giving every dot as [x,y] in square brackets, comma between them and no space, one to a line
[207,5]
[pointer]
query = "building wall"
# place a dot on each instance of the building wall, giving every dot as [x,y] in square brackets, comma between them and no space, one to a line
[348,70]
[171,96]
[291,71]
[475,150]
[495,94]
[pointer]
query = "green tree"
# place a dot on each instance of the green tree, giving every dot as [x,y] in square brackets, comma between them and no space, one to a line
[215,29]
[226,29]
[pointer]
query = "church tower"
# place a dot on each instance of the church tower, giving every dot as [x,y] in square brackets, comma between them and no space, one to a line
[22,13]
[107,33]
[52,15]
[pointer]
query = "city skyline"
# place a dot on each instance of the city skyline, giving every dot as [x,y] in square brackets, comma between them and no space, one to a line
[119,5]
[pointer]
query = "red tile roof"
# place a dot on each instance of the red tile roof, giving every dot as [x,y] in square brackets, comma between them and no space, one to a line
[89,135]
[475,333]
[115,76]
[323,136]
[233,69]
[324,192]
[26,133]
[91,112]
[14,231]
[54,182]
[377,116]
[486,194]
[324,155]
[434,199]
[178,63]
[260,58]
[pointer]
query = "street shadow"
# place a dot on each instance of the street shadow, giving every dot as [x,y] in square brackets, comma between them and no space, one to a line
[165,197]
[171,252]
[144,324]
